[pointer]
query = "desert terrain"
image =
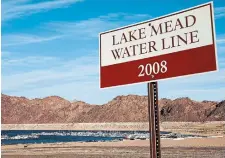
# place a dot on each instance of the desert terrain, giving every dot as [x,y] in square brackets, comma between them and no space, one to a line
[207,148]
[123,113]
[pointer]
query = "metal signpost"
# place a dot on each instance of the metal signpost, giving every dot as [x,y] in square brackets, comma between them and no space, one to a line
[175,45]
[153,113]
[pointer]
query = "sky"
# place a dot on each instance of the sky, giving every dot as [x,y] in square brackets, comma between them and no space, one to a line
[51,48]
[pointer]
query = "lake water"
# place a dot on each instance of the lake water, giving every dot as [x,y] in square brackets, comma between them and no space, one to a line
[41,136]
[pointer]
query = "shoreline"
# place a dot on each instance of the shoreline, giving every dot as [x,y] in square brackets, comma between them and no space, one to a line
[168,142]
[202,147]
[211,146]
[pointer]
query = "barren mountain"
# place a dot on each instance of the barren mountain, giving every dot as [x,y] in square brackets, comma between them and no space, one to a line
[218,113]
[131,108]
[47,110]
[185,109]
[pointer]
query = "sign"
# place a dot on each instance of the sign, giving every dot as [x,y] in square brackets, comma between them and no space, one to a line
[179,44]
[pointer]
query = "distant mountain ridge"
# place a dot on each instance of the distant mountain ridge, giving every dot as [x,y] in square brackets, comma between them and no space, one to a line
[130,108]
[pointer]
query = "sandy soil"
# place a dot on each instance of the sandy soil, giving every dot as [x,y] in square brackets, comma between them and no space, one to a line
[187,148]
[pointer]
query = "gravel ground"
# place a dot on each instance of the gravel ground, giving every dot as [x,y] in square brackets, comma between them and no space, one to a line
[122,152]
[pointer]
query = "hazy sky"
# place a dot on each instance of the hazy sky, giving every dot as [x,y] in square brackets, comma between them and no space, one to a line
[51,48]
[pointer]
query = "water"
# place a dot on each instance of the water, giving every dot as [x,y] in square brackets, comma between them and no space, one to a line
[59,136]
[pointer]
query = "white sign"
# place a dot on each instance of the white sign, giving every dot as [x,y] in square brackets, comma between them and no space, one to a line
[157,49]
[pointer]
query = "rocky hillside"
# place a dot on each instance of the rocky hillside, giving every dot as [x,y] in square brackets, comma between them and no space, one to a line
[131,108]
[47,110]
[218,113]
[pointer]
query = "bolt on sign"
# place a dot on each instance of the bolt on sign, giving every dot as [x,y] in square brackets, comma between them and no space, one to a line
[179,44]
